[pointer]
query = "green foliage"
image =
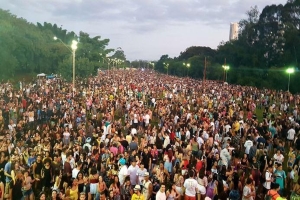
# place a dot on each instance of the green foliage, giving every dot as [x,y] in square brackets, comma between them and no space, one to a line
[26,48]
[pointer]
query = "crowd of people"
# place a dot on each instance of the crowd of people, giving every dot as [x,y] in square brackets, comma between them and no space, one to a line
[141,135]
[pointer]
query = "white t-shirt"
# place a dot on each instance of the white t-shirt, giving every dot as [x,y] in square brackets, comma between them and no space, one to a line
[246,192]
[141,174]
[166,141]
[247,145]
[279,158]
[75,172]
[122,174]
[132,172]
[267,184]
[190,186]
[291,134]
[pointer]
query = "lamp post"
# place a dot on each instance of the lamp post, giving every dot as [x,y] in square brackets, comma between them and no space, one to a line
[152,64]
[290,71]
[167,67]
[226,68]
[187,65]
[73,50]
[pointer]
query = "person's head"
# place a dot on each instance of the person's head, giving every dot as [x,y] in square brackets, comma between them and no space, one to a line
[142,165]
[54,194]
[82,196]
[276,187]
[162,188]
[137,189]
[191,174]
[80,175]
[133,162]
[38,158]
[249,181]
[116,179]
[279,166]
[42,196]
[146,176]
[47,165]
[278,152]
[75,182]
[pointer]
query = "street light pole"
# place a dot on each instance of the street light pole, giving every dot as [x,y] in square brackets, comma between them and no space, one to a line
[290,71]
[226,68]
[73,50]
[73,69]
[74,47]
[187,67]
[167,66]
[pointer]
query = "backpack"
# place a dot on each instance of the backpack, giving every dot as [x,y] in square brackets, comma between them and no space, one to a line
[234,195]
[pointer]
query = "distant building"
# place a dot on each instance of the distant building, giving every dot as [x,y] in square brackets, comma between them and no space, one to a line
[234,31]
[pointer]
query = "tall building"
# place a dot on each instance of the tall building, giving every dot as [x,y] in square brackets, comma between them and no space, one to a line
[234,31]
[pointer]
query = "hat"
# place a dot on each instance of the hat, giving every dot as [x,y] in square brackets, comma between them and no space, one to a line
[88,140]
[146,174]
[137,187]
[122,161]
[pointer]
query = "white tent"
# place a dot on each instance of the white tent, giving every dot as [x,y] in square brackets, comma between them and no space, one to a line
[41,75]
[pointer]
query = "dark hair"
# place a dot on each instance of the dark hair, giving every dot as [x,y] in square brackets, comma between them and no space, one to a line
[249,181]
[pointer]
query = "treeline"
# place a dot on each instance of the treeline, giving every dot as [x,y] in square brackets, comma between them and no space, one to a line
[26,48]
[268,44]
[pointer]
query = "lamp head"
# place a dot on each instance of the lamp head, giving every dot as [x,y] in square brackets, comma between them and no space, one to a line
[55,38]
[290,70]
[74,45]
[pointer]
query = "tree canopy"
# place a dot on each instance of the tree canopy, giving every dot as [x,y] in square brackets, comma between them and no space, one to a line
[29,48]
[267,45]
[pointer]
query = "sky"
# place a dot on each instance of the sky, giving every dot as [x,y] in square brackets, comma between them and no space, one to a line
[144,29]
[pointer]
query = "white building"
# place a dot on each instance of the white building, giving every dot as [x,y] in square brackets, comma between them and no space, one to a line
[234,31]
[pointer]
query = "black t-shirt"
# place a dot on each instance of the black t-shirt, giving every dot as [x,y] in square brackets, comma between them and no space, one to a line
[17,190]
[145,159]
[2,166]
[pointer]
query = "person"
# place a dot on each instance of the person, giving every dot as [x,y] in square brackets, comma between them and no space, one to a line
[191,187]
[268,177]
[127,189]
[27,186]
[161,194]
[296,190]
[137,193]
[123,173]
[172,193]
[147,186]
[280,177]
[248,190]
[17,185]
[133,173]
[8,178]
[273,193]
[74,190]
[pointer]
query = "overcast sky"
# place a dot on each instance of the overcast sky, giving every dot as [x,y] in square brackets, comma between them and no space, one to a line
[144,29]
